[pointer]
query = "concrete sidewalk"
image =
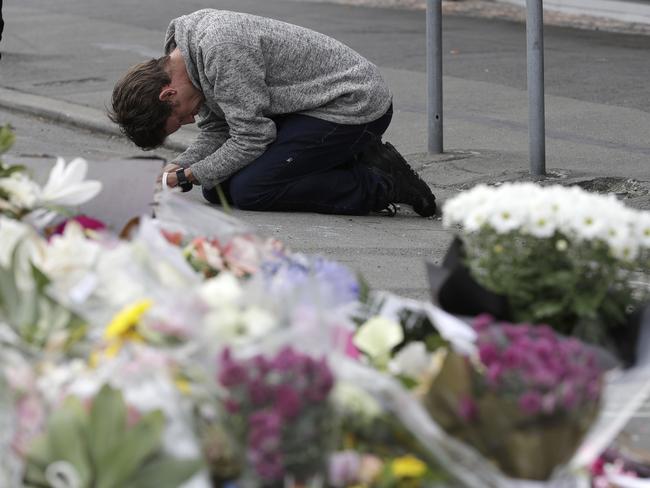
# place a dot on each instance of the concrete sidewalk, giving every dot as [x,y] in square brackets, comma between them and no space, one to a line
[60,62]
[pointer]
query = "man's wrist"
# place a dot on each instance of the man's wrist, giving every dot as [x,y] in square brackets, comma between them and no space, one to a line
[190,176]
[182,180]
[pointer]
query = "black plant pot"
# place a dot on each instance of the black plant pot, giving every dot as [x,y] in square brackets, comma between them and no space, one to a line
[453,289]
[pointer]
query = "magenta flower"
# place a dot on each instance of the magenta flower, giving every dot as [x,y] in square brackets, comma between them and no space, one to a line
[530,402]
[269,394]
[546,372]
[87,223]
[288,401]
[232,373]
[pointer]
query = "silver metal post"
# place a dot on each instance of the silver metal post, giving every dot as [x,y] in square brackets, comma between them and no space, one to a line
[535,57]
[434,76]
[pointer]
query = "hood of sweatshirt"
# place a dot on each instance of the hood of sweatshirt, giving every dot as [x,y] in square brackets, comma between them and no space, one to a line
[180,34]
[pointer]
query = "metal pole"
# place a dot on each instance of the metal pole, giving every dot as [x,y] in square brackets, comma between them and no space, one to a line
[535,56]
[434,76]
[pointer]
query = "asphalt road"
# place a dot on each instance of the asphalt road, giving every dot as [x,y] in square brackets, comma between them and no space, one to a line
[591,66]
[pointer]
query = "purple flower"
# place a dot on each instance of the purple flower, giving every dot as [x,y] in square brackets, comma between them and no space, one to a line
[232,373]
[232,406]
[265,430]
[265,444]
[287,401]
[546,372]
[481,322]
[259,393]
[286,360]
[530,402]
[488,353]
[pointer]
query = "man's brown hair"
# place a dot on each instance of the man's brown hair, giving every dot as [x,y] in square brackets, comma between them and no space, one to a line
[136,107]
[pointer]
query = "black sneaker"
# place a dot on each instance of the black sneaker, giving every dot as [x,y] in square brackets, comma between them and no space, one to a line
[407,186]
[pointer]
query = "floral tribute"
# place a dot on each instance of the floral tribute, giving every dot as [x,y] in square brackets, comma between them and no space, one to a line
[178,359]
[526,399]
[560,255]
[279,408]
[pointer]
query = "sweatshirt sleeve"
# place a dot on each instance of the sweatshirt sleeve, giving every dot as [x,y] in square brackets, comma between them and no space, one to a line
[238,73]
[214,132]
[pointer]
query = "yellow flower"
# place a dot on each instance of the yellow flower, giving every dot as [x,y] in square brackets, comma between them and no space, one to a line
[408,467]
[123,328]
[124,323]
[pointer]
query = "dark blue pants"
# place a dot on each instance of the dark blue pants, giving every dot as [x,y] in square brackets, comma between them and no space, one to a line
[310,167]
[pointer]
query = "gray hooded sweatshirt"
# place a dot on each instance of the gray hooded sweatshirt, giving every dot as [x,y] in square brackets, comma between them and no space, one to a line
[252,68]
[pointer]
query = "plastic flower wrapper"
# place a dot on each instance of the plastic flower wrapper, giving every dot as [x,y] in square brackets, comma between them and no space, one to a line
[374,447]
[118,273]
[277,405]
[400,336]
[526,400]
[561,256]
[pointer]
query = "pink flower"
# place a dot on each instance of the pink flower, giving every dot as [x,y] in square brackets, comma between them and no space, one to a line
[482,322]
[343,341]
[488,353]
[231,406]
[530,402]
[232,373]
[287,401]
[87,223]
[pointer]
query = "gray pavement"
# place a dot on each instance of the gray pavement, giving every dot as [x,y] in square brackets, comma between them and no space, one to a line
[60,60]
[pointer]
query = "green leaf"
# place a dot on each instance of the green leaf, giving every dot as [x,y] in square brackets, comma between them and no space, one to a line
[107,423]
[38,455]
[165,472]
[138,444]
[66,435]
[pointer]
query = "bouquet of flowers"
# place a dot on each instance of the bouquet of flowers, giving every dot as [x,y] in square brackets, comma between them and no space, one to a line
[562,256]
[278,408]
[242,255]
[525,400]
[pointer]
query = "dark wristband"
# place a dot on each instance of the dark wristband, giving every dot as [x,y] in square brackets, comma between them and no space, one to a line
[183,182]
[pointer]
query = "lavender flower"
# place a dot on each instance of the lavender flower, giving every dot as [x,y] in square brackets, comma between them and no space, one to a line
[291,273]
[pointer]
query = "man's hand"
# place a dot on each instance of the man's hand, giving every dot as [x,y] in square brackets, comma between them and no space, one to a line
[172,180]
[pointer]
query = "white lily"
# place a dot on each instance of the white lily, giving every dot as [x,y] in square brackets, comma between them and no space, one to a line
[66,185]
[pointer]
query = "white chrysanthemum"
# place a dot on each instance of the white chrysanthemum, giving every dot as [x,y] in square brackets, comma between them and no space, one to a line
[541,222]
[475,219]
[456,209]
[642,228]
[624,247]
[505,218]
[587,223]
